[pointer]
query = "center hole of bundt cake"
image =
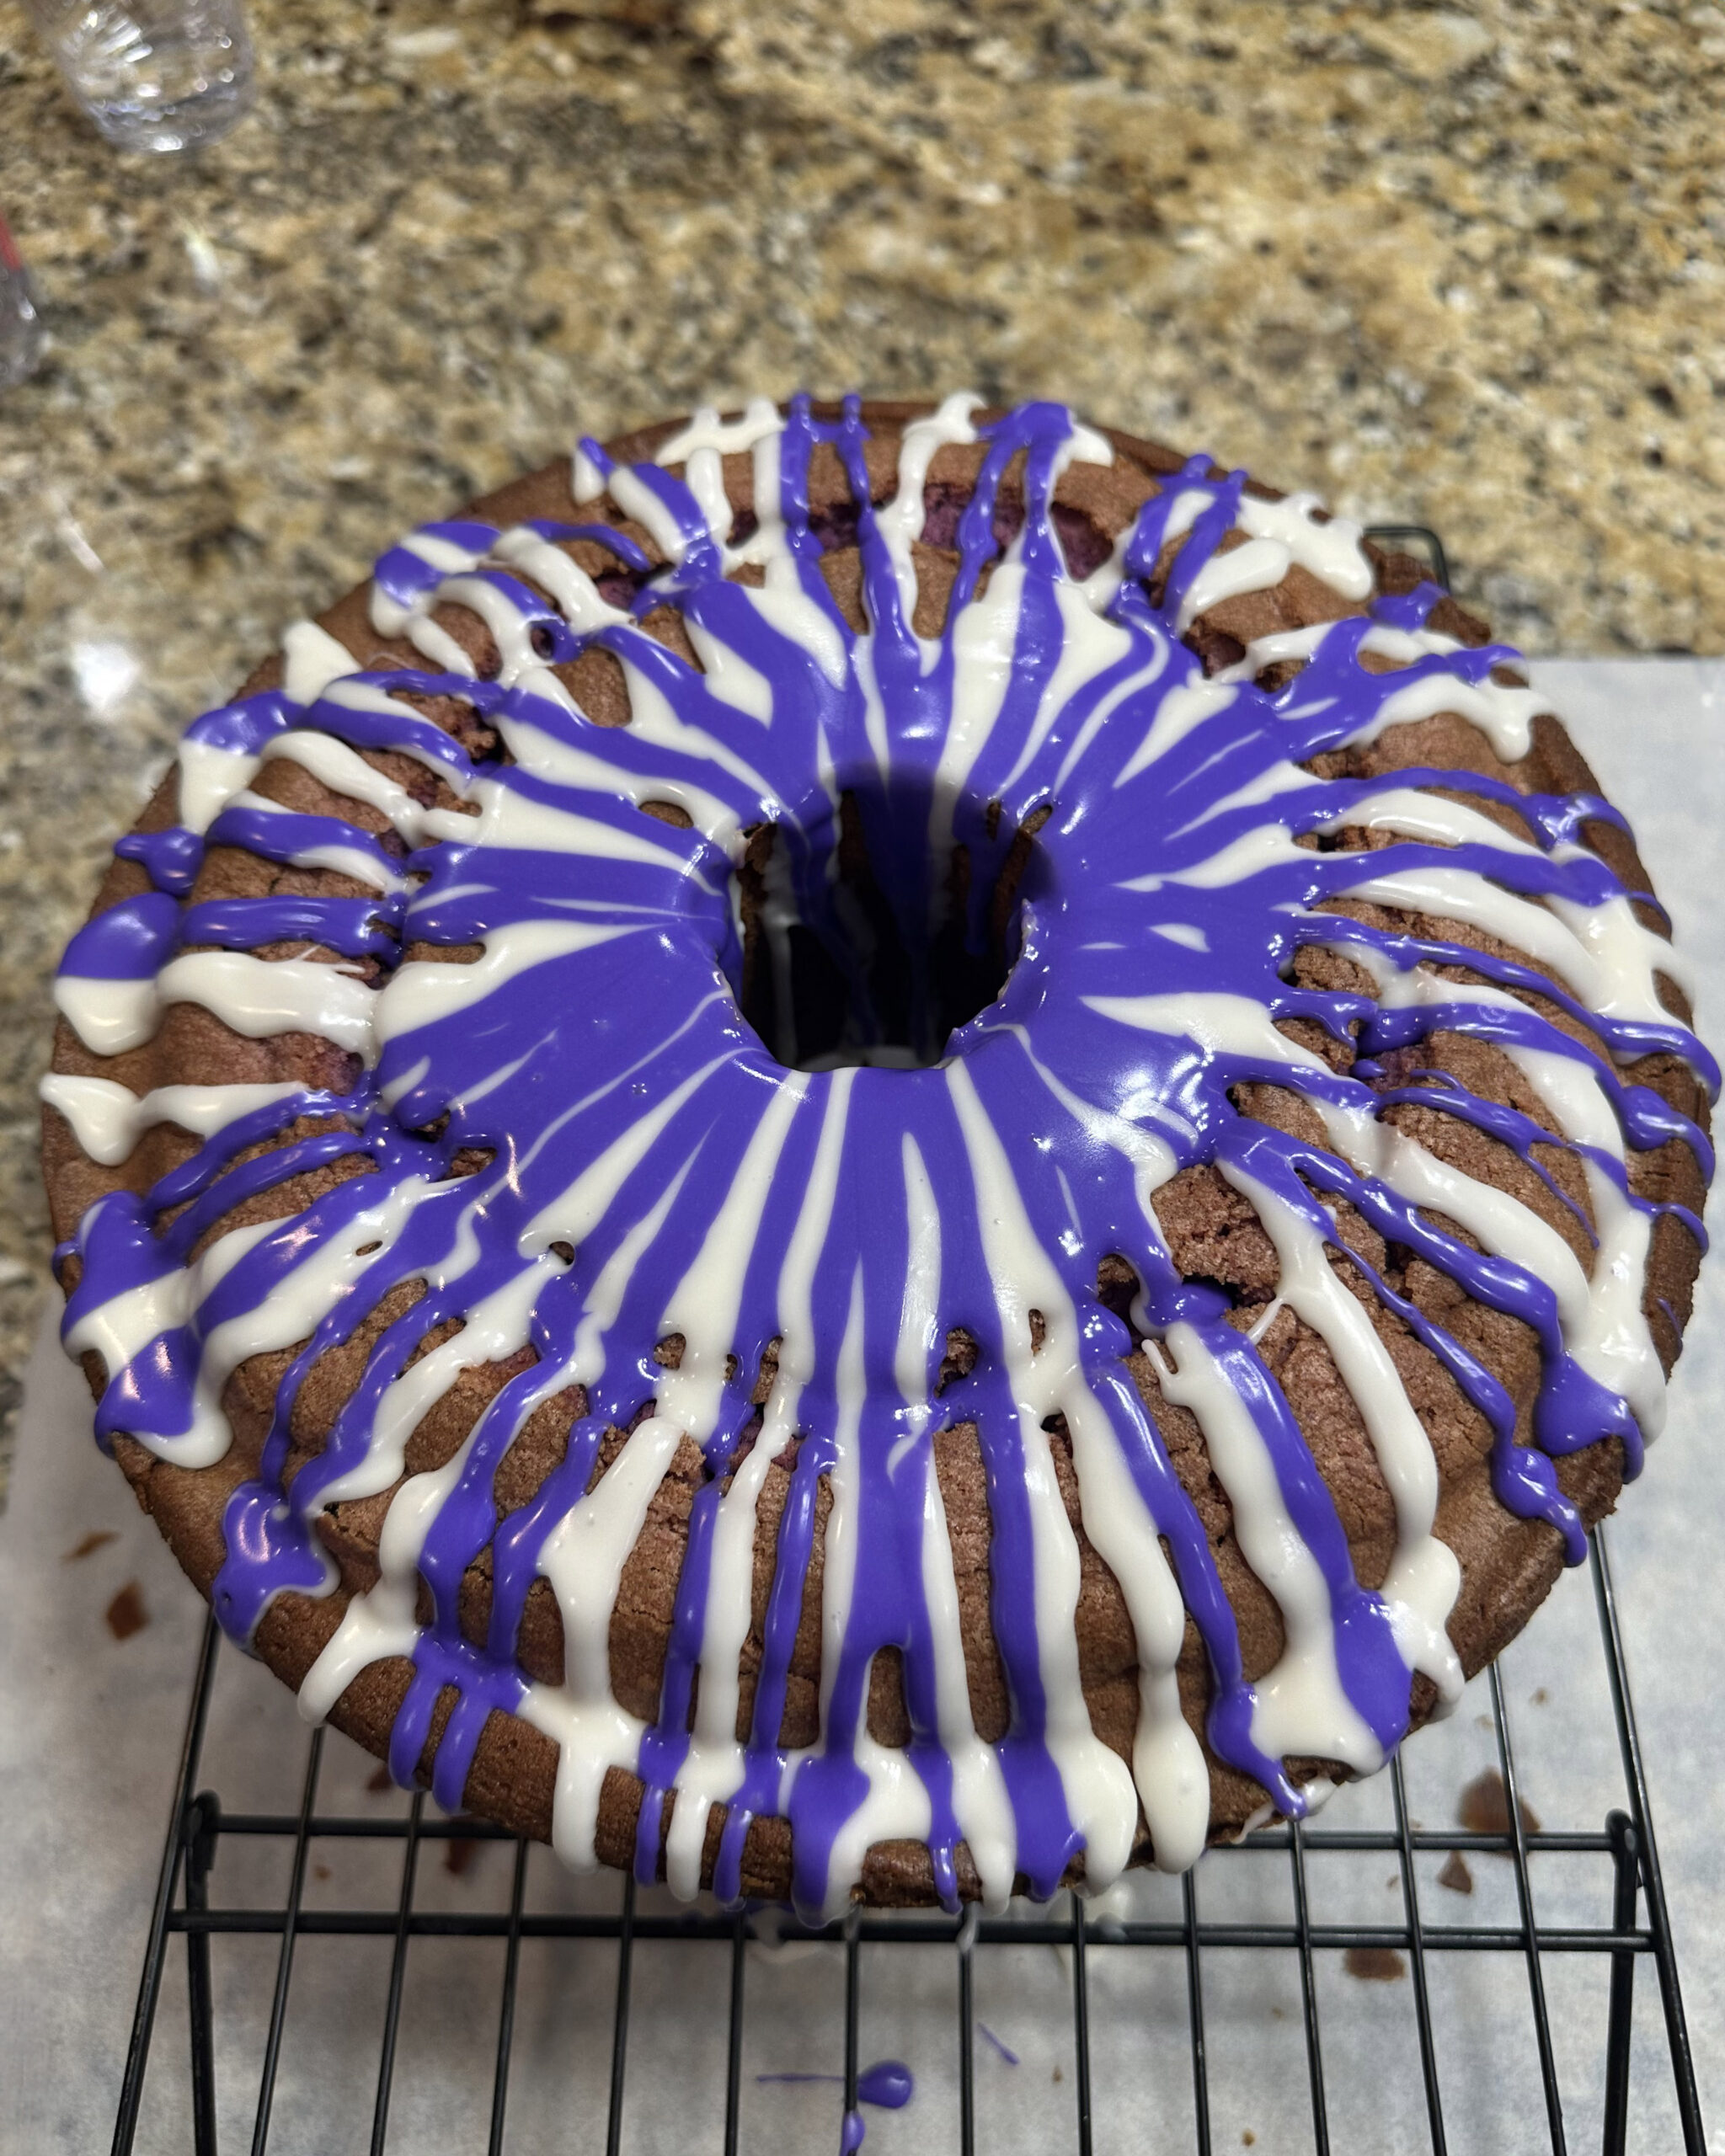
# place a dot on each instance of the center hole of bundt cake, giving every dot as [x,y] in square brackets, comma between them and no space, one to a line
[894,957]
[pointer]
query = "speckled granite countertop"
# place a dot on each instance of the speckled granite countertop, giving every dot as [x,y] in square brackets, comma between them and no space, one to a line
[1463,270]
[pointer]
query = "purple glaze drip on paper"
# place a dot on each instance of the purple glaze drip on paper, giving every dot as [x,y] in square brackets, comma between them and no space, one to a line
[1010,2055]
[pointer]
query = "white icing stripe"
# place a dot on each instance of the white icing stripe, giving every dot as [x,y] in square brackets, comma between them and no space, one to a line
[312,659]
[1195,703]
[1504,714]
[209,779]
[985,641]
[712,1770]
[1225,1024]
[492,1330]
[1331,550]
[422,991]
[256,997]
[704,1304]
[511,819]
[586,480]
[706,431]
[639,502]
[435,642]
[582,1559]
[896,1805]
[343,771]
[980,1803]
[900,521]
[561,577]
[652,719]
[1100,1795]
[1424,1577]
[1608,966]
[573,1215]
[108,1119]
[1257,566]
[1090,646]
[585,1556]
[1277,533]
[730,676]
[1299,1706]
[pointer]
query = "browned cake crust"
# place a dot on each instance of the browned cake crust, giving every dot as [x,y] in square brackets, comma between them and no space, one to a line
[1507,1564]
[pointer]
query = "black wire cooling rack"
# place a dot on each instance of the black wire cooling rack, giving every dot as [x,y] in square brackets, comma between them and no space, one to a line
[1619,1856]
[1621,1849]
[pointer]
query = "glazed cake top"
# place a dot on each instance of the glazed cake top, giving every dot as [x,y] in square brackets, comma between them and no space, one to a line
[575,1143]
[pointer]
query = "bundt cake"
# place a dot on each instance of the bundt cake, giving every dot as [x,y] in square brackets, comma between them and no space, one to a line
[873,1150]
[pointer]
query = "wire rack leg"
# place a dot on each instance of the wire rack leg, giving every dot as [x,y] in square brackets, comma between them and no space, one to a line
[506,2012]
[1081,2025]
[1689,2104]
[1416,1936]
[1620,2027]
[1308,1995]
[620,2026]
[397,1973]
[967,2047]
[1194,2010]
[202,1825]
[734,2048]
[138,2053]
[850,2137]
[284,1965]
[1524,1893]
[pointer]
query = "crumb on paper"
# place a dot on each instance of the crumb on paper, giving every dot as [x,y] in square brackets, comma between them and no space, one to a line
[1248,2138]
[380,1781]
[98,1537]
[1455,1875]
[127,1612]
[459,1852]
[322,1871]
[1540,1695]
[1378,1964]
[1483,1806]
[1059,2076]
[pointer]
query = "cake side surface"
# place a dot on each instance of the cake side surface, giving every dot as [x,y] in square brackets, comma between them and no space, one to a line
[1324,1247]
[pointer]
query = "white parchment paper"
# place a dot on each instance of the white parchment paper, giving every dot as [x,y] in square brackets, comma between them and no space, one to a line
[90,1729]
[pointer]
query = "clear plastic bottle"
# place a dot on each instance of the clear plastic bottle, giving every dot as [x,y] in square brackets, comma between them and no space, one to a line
[152,74]
[20,325]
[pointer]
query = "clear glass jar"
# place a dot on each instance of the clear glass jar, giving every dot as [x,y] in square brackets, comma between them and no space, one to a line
[152,74]
[20,325]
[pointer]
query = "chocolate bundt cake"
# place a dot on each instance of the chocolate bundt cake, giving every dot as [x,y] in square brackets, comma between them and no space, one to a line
[872,1151]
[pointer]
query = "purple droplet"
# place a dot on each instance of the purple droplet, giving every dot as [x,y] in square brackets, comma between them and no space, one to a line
[851,2139]
[888,2085]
